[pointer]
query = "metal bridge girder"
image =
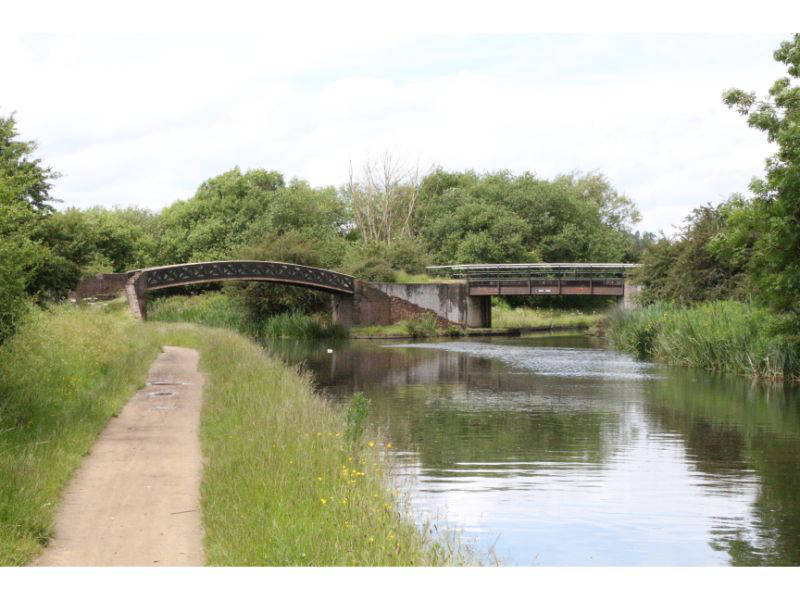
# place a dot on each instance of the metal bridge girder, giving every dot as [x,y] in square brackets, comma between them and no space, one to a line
[247,270]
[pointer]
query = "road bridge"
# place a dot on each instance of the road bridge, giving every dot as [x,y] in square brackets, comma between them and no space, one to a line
[541,279]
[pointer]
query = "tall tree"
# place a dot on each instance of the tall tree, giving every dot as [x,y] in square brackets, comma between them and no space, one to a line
[24,198]
[23,179]
[775,263]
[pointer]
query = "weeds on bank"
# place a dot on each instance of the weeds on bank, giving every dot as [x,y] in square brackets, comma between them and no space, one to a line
[724,336]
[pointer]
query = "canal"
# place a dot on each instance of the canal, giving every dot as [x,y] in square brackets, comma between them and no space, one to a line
[555,450]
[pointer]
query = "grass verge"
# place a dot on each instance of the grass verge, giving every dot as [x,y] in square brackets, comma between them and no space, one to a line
[725,336]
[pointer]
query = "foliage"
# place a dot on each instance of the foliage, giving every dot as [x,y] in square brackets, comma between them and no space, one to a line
[506,317]
[23,179]
[356,417]
[724,336]
[775,263]
[697,266]
[235,210]
[213,309]
[300,246]
[227,310]
[421,326]
[383,199]
[497,217]
[298,325]
[24,203]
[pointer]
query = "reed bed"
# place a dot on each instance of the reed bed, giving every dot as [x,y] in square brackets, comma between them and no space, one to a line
[724,336]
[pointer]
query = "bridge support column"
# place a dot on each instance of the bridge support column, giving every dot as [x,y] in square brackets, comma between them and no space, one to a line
[344,310]
[629,294]
[136,293]
[479,311]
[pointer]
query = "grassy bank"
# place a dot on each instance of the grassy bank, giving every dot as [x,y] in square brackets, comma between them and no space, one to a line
[217,309]
[505,317]
[62,376]
[725,336]
[283,484]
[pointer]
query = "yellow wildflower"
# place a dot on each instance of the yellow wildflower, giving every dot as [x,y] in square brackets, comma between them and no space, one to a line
[370,443]
[323,501]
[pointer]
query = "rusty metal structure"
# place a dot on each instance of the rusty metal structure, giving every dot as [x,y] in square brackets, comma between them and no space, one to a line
[541,279]
[156,278]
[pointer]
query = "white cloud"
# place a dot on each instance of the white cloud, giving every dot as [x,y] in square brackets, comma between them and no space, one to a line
[144,120]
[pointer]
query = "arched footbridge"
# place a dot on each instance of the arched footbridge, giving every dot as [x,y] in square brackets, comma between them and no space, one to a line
[156,278]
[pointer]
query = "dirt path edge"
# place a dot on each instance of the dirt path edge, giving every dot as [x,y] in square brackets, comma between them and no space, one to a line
[135,499]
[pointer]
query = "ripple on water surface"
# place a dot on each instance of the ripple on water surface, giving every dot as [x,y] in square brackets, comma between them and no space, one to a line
[549,451]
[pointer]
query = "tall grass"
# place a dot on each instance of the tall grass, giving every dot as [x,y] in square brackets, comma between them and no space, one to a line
[300,326]
[505,317]
[217,309]
[724,336]
[286,481]
[62,376]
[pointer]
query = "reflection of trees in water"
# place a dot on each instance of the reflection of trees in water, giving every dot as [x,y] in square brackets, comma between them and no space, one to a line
[731,427]
[453,408]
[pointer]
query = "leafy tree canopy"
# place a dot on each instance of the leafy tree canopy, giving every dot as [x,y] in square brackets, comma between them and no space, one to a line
[773,222]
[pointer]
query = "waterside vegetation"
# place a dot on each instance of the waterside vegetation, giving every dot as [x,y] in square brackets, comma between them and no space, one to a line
[723,336]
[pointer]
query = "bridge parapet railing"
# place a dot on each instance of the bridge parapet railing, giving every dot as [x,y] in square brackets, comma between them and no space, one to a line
[541,278]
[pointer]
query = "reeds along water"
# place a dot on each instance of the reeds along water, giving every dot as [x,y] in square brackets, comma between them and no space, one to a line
[723,336]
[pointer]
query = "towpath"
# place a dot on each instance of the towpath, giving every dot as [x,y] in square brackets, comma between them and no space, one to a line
[135,499]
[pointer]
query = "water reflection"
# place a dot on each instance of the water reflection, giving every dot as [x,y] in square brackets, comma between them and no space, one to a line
[553,450]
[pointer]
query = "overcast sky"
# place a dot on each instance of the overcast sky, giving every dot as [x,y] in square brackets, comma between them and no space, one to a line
[143,120]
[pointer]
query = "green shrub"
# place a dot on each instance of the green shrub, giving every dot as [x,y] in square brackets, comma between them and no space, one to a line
[421,326]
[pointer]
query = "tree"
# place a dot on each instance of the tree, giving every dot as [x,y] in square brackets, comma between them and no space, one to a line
[383,199]
[22,179]
[24,201]
[696,267]
[775,263]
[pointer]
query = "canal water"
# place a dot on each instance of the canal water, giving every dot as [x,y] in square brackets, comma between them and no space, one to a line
[555,450]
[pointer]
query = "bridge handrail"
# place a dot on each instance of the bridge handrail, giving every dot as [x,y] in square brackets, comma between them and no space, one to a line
[532,269]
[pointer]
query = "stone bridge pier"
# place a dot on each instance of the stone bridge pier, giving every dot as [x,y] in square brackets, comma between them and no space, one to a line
[388,303]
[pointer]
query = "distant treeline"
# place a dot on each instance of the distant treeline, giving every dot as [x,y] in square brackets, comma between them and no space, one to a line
[385,222]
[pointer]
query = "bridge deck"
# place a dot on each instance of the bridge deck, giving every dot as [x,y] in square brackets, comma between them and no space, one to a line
[542,279]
